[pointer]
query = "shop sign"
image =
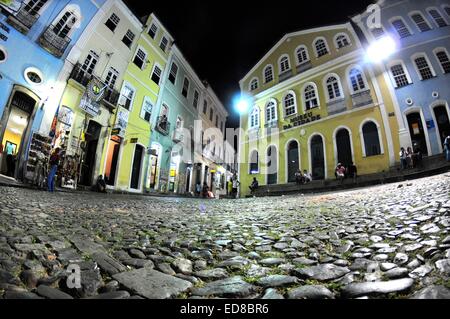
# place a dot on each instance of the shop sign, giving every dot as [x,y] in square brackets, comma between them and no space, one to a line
[122,122]
[90,106]
[115,132]
[134,140]
[302,120]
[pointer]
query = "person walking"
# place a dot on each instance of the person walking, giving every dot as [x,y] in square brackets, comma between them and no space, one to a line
[10,159]
[236,184]
[409,160]
[198,189]
[447,147]
[403,158]
[54,163]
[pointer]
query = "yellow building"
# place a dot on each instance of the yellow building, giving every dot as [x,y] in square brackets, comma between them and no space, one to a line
[315,102]
[126,157]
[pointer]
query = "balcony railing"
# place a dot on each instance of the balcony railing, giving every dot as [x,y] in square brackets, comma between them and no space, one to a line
[337,107]
[111,97]
[80,76]
[24,19]
[162,125]
[361,99]
[54,43]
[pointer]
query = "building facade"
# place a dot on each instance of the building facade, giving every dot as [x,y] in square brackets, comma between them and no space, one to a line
[315,102]
[418,73]
[36,37]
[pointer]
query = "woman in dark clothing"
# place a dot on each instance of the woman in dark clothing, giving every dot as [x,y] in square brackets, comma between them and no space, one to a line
[54,162]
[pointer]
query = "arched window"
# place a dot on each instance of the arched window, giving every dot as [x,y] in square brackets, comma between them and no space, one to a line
[254,118]
[268,74]
[423,67]
[321,47]
[357,81]
[290,105]
[284,64]
[33,7]
[271,112]
[371,139]
[401,27]
[342,41]
[399,75]
[63,27]
[254,163]
[302,55]
[420,21]
[444,61]
[254,84]
[437,17]
[310,97]
[333,88]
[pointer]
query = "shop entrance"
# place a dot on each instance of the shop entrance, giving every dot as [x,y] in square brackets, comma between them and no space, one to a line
[154,162]
[112,159]
[92,136]
[443,123]
[293,162]
[344,148]
[137,165]
[317,158]
[16,130]
[417,132]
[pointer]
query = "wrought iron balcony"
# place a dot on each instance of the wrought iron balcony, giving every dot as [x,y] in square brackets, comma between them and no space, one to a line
[111,97]
[79,75]
[24,19]
[54,43]
[162,125]
[361,99]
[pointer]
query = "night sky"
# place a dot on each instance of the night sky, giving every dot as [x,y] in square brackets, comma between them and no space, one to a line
[223,40]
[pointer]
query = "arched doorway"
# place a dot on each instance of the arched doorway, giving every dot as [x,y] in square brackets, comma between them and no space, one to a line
[136,168]
[344,147]
[417,132]
[442,122]
[292,160]
[272,166]
[317,158]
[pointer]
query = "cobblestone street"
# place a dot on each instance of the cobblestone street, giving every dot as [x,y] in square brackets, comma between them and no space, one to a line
[389,241]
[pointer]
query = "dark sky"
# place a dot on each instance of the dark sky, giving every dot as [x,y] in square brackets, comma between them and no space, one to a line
[223,40]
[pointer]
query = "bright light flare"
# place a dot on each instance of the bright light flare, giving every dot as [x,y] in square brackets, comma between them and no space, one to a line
[381,49]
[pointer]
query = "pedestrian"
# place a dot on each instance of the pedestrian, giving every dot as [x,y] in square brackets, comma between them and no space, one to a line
[403,158]
[299,179]
[307,176]
[409,160]
[100,185]
[340,172]
[447,147]
[230,188]
[352,172]
[236,184]
[417,158]
[198,189]
[205,190]
[10,159]
[54,162]
[254,186]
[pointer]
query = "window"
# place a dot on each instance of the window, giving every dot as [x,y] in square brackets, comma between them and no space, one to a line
[146,111]
[140,58]
[443,59]
[152,31]
[33,7]
[33,76]
[112,22]
[211,114]
[423,68]
[254,163]
[377,33]
[437,17]
[290,106]
[333,88]
[205,107]
[420,22]
[164,43]
[302,55]
[196,98]
[447,10]
[371,139]
[128,38]
[357,80]
[399,75]
[321,48]
[185,90]
[156,75]
[271,112]
[254,85]
[65,24]
[342,41]
[284,64]
[111,78]
[217,121]
[310,96]
[401,28]
[254,118]
[173,73]
[90,63]
[3,55]
[126,97]
[268,74]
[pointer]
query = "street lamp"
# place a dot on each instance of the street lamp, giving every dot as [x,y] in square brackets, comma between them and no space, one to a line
[241,104]
[381,49]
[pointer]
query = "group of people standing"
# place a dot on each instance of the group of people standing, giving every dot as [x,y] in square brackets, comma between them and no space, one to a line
[303,178]
[409,158]
[341,172]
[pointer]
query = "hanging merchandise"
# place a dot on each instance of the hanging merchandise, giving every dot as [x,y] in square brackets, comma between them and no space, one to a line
[36,168]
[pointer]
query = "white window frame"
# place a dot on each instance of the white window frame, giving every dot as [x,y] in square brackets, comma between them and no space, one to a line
[38,72]
[424,55]
[115,73]
[335,40]
[127,35]
[437,50]
[142,115]
[144,64]
[326,46]
[434,20]
[132,88]
[275,106]
[167,45]
[308,58]
[391,20]
[280,65]
[423,17]
[112,20]
[284,103]
[373,36]
[316,90]
[150,28]
[3,49]
[363,142]
[176,74]
[405,70]
[156,65]
[257,123]
[250,162]
[73,9]
[444,6]
[366,83]
[250,86]
[264,73]
[325,86]
[195,105]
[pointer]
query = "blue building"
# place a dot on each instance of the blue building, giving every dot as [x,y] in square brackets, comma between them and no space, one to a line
[419,71]
[35,39]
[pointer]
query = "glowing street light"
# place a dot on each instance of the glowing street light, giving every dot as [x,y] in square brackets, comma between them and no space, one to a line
[381,49]
[241,104]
